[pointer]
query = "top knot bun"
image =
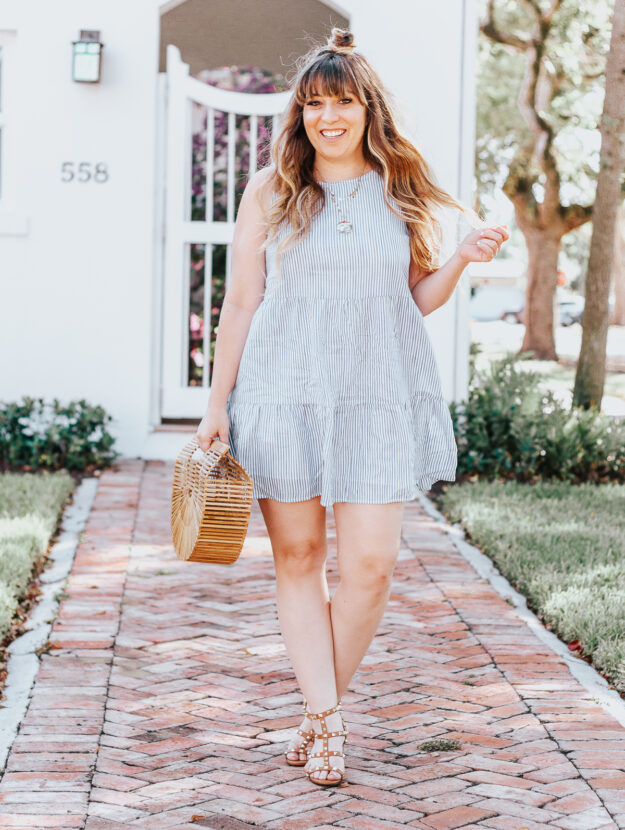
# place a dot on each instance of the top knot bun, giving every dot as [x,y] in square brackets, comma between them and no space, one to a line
[341,40]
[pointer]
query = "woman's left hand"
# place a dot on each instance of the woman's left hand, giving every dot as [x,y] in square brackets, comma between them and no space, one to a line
[483,244]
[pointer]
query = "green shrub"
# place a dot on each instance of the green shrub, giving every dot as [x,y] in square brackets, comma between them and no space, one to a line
[16,562]
[30,507]
[511,428]
[8,604]
[36,435]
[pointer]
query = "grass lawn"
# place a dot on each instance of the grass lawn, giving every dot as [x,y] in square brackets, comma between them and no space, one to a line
[30,509]
[562,546]
[497,339]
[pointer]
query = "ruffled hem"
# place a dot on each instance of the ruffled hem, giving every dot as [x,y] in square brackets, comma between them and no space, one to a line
[366,453]
[276,489]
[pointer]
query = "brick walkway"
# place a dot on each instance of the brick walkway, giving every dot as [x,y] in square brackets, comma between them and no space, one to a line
[166,697]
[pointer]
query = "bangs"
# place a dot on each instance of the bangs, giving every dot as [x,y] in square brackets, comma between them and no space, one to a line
[329,76]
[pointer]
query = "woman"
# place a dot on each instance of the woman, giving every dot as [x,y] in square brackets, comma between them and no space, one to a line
[324,383]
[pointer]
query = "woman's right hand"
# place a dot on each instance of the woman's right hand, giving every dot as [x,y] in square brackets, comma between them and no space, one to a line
[215,424]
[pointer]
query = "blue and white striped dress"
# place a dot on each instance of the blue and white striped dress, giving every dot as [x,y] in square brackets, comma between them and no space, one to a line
[338,393]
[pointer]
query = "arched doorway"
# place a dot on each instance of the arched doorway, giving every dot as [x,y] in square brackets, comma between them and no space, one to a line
[268,34]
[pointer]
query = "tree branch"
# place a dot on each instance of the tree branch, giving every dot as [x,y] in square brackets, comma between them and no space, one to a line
[544,16]
[576,215]
[492,31]
[535,96]
[593,76]
[535,6]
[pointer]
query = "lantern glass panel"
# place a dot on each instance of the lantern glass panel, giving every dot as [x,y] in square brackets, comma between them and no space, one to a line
[86,63]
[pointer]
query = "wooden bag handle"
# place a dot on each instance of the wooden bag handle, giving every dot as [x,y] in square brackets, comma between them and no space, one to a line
[215,452]
[218,446]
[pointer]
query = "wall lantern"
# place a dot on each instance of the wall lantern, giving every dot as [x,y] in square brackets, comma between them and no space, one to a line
[87,56]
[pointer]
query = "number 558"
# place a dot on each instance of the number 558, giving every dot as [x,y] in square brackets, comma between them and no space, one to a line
[84,171]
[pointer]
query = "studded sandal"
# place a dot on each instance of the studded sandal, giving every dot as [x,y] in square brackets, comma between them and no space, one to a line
[309,735]
[325,753]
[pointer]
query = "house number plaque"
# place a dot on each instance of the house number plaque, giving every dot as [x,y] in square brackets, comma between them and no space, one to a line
[84,171]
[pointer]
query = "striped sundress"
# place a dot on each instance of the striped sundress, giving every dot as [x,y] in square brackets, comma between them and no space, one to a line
[338,393]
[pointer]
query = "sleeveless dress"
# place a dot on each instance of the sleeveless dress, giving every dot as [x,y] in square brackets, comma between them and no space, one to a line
[338,393]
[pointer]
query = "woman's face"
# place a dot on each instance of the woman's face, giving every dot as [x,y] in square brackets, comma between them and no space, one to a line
[335,126]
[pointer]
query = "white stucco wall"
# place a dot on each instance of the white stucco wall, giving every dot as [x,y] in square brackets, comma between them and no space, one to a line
[77,264]
[77,287]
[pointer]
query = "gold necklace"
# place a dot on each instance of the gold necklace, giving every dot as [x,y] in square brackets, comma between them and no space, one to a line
[344,225]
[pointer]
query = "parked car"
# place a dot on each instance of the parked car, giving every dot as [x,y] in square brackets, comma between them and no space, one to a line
[513,316]
[508,304]
[492,302]
[570,309]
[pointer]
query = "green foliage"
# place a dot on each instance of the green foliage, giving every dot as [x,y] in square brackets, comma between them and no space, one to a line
[574,59]
[15,565]
[561,546]
[512,428]
[500,127]
[30,506]
[440,745]
[36,435]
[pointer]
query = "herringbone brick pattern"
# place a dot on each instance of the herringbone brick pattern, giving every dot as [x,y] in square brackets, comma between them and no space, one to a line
[166,697]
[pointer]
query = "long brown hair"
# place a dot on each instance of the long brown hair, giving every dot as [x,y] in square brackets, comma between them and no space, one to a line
[410,190]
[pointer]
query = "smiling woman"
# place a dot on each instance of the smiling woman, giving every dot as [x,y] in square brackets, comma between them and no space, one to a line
[340,124]
[325,384]
[336,122]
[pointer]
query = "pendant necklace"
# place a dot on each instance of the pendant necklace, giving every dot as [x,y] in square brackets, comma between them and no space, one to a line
[344,225]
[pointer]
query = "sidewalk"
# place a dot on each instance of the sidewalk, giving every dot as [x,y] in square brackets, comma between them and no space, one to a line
[167,695]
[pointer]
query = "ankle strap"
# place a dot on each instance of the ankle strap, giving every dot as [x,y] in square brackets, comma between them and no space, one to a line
[317,715]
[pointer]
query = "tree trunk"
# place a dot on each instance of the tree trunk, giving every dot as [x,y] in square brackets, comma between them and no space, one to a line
[590,375]
[618,270]
[542,276]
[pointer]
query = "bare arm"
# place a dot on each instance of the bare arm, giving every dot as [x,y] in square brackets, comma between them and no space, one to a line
[243,296]
[432,290]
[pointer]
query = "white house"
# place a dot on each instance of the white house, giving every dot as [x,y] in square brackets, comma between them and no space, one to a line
[95,231]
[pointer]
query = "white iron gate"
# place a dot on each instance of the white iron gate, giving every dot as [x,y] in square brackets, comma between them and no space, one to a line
[200,188]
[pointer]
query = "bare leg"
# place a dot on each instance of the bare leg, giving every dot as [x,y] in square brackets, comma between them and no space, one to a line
[368,538]
[319,635]
[297,531]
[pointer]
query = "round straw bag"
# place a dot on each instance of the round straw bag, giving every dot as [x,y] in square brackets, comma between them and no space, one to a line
[211,502]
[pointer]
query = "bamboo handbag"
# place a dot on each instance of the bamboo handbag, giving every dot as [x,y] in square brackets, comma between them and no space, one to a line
[211,502]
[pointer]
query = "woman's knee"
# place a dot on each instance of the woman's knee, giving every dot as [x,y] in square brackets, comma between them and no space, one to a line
[297,531]
[368,541]
[369,572]
[300,557]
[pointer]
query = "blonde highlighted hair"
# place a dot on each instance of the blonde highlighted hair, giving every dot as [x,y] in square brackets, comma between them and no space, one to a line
[410,190]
